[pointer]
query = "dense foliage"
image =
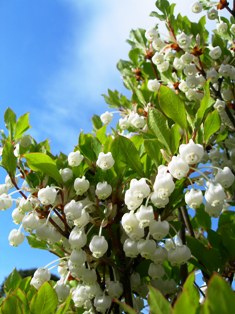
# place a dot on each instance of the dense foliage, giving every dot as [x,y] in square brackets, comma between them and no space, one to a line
[132,212]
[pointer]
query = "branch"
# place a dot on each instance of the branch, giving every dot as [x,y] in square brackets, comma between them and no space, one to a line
[183,268]
[187,221]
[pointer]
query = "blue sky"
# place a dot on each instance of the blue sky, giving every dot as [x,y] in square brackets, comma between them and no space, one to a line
[56,59]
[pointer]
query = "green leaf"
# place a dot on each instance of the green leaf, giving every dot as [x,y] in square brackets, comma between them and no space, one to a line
[63,308]
[126,155]
[152,148]
[43,163]
[202,219]
[45,301]
[9,160]
[35,243]
[97,122]
[157,302]
[12,304]
[211,125]
[172,106]
[115,99]
[125,307]
[12,282]
[226,229]
[188,301]
[175,137]
[10,122]
[22,125]
[89,146]
[219,297]
[205,103]
[157,123]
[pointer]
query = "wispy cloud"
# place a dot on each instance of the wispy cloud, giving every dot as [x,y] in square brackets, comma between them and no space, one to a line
[88,63]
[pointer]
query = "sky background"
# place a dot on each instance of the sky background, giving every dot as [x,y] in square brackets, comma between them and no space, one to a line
[56,59]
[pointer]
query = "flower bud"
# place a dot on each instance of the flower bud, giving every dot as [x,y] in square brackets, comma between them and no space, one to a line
[66,174]
[153,85]
[197,7]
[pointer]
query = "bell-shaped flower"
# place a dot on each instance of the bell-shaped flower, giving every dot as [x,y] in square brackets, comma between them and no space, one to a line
[164,185]
[178,168]
[130,248]
[159,229]
[194,198]
[132,202]
[191,153]
[81,185]
[73,210]
[156,271]
[105,161]
[215,194]
[77,238]
[160,255]
[158,201]
[139,188]
[15,237]
[66,174]
[62,290]
[179,255]
[5,201]
[114,289]
[153,85]
[75,159]
[47,195]
[225,177]
[145,215]
[146,248]
[102,303]
[103,190]
[106,117]
[98,246]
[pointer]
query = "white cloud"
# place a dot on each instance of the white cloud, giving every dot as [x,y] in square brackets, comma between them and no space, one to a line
[88,65]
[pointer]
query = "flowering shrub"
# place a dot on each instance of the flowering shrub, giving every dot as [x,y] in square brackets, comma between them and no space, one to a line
[152,201]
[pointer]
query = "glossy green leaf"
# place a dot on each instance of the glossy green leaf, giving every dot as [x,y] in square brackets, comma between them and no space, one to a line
[205,103]
[22,125]
[9,160]
[158,303]
[97,122]
[63,308]
[219,297]
[188,301]
[89,146]
[172,106]
[126,155]
[157,123]
[12,304]
[45,301]
[152,148]
[10,122]
[175,136]
[35,243]
[12,282]
[43,163]
[211,125]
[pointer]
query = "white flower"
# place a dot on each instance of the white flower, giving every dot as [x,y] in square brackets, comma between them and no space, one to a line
[153,85]
[178,168]
[3,189]
[75,158]
[215,52]
[66,174]
[158,201]
[47,195]
[17,216]
[103,190]
[219,105]
[158,44]
[164,185]
[197,7]
[193,198]
[31,222]
[102,303]
[98,246]
[40,276]
[160,255]
[178,64]
[132,202]
[5,201]
[73,210]
[158,58]
[81,185]
[139,188]
[124,123]
[145,214]
[106,117]
[77,238]
[114,289]
[146,248]
[15,237]
[105,161]
[62,290]
[136,120]
[222,28]
[151,34]
[164,66]
[131,226]
[191,153]
[225,177]
[179,255]
[130,248]
[159,229]
[213,211]
[156,271]
[215,194]
[190,69]
[183,40]
[212,14]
